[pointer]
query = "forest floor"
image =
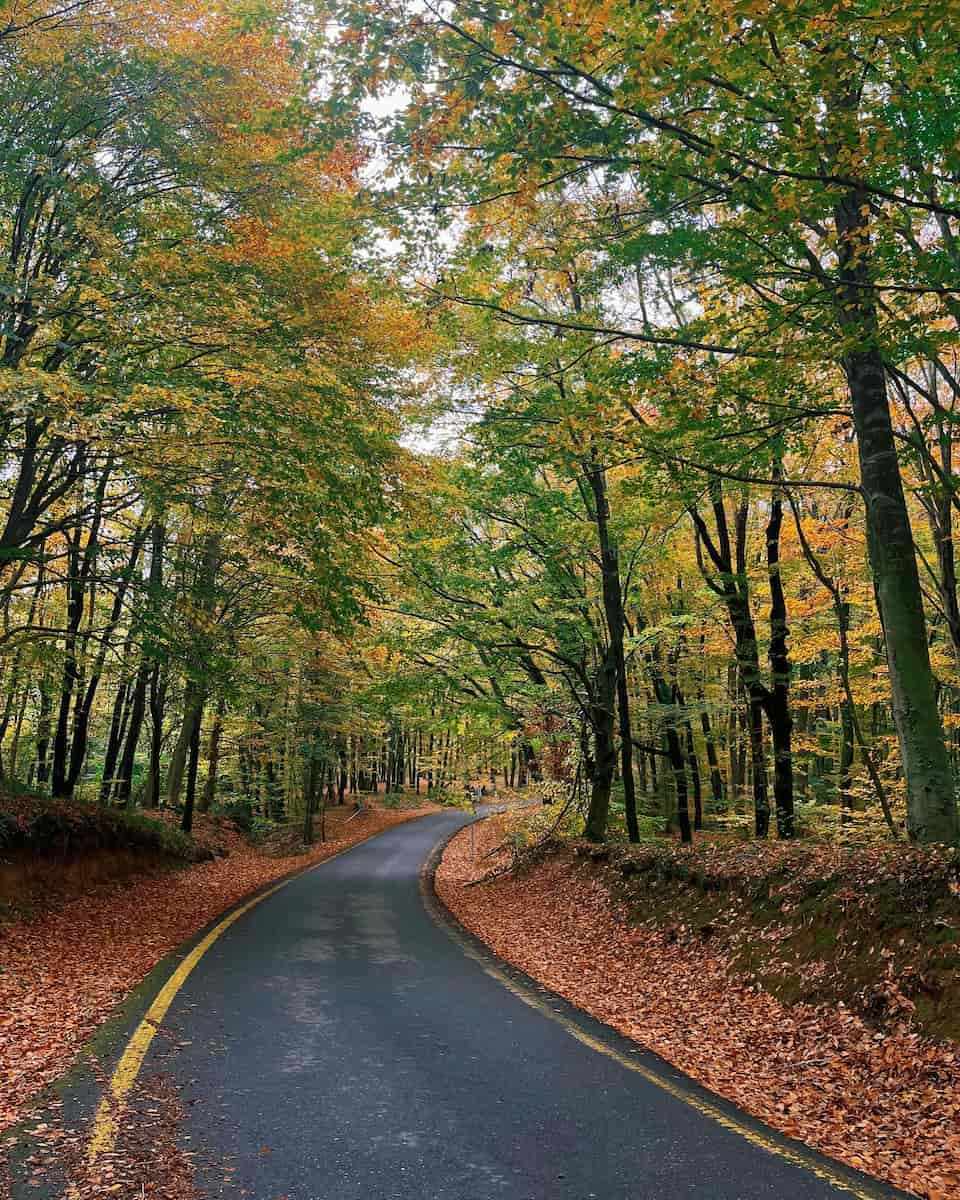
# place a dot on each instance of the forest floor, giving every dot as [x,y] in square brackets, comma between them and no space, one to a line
[797,981]
[67,964]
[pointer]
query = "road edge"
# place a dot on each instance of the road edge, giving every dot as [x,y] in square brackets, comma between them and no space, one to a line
[634,1056]
[88,1079]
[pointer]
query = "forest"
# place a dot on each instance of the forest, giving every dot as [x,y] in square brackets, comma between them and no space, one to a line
[406,402]
[397,393]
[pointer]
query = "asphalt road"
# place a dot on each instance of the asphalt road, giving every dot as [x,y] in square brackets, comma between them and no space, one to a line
[338,1044]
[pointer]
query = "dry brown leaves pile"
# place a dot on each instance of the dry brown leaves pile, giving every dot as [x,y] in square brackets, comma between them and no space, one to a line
[147,1161]
[63,973]
[885,1102]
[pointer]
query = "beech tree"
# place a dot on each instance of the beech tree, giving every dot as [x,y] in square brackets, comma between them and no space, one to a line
[776,163]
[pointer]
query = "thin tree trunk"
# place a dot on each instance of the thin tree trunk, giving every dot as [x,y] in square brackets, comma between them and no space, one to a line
[694,765]
[113,741]
[158,692]
[135,724]
[85,698]
[80,564]
[195,692]
[678,766]
[213,759]
[616,624]
[602,721]
[842,611]
[777,706]
[193,700]
[713,762]
[309,798]
[758,762]
[187,823]
[45,708]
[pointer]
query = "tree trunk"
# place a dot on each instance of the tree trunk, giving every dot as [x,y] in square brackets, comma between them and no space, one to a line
[342,778]
[187,823]
[195,692]
[713,762]
[158,685]
[15,677]
[134,726]
[213,759]
[158,692]
[45,708]
[193,700]
[84,707]
[667,697]
[777,706]
[319,802]
[731,583]
[79,567]
[734,724]
[694,764]
[613,610]
[678,766]
[75,606]
[604,748]
[931,804]
[309,795]
[113,741]
[17,729]
[758,762]
[530,764]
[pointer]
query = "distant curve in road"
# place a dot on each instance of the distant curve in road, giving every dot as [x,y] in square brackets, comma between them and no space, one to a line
[336,1044]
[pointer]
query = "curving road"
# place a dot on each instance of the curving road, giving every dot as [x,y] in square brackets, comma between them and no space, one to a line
[338,1044]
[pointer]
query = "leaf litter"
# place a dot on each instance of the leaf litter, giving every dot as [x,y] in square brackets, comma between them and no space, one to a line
[884,1101]
[64,971]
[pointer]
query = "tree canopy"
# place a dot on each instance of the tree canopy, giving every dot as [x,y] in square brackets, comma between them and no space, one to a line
[398,392]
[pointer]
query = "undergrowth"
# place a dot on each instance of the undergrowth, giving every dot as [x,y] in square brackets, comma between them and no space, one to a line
[64,828]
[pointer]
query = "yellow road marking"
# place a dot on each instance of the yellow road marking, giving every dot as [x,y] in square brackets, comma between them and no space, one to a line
[106,1122]
[714,1112]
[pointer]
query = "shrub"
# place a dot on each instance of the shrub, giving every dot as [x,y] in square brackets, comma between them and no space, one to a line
[260,828]
[239,812]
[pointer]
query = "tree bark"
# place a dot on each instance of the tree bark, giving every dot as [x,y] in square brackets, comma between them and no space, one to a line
[731,584]
[84,708]
[113,741]
[694,764]
[134,725]
[79,566]
[931,804]
[45,707]
[777,700]
[616,626]
[195,691]
[158,692]
[713,762]
[602,711]
[186,823]
[213,759]
[193,700]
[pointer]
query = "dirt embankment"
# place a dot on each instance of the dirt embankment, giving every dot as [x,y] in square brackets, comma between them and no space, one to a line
[53,849]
